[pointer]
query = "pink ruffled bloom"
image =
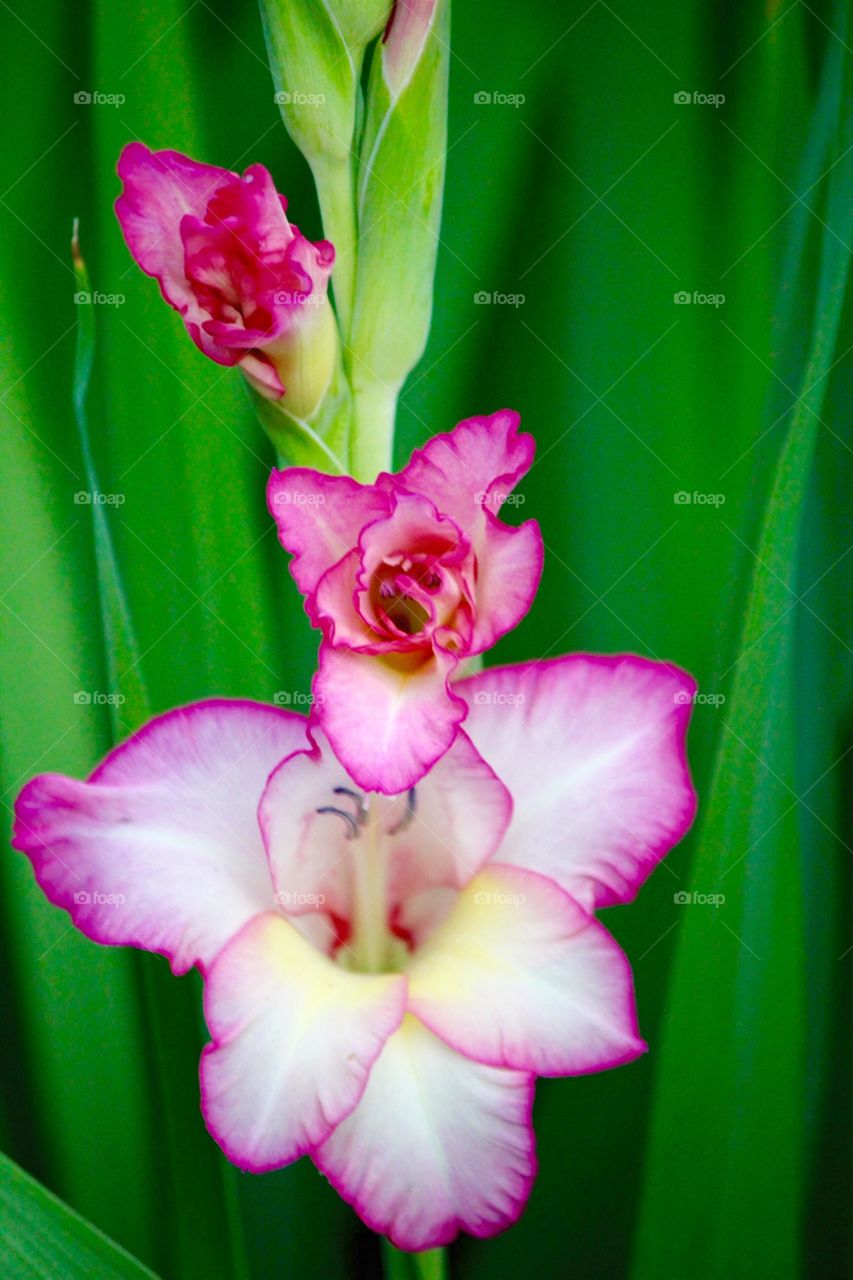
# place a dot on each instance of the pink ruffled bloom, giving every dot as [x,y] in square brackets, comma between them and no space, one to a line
[406,578]
[385,976]
[251,289]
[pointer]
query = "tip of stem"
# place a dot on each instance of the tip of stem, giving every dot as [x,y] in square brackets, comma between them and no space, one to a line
[76,255]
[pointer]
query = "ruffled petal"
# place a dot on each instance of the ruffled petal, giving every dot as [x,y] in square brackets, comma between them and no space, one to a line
[436,1145]
[519,975]
[472,467]
[160,188]
[593,752]
[294,1039]
[335,608]
[412,526]
[262,375]
[470,473]
[388,722]
[509,569]
[320,519]
[161,848]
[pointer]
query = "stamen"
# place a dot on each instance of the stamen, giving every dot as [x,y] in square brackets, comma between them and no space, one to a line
[360,802]
[353,826]
[408,816]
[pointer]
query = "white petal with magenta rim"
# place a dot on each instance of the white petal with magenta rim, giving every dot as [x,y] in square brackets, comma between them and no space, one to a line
[437,1144]
[592,750]
[519,975]
[161,848]
[294,1038]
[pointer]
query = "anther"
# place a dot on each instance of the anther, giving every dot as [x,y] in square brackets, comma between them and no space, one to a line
[354,830]
[360,802]
[408,816]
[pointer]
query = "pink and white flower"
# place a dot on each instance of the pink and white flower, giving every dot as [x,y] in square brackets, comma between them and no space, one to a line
[385,976]
[251,289]
[406,578]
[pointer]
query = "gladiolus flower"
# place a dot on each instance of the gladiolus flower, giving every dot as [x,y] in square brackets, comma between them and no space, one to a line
[251,289]
[385,976]
[407,577]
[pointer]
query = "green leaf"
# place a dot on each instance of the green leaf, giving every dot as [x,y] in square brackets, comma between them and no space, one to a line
[42,1239]
[73,1063]
[724,1193]
[190,1159]
[123,657]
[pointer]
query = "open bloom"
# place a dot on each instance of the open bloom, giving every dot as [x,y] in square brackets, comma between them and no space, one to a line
[385,976]
[251,288]
[406,577]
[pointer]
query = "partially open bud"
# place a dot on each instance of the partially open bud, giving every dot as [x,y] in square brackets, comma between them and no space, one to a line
[251,289]
[304,356]
[408,30]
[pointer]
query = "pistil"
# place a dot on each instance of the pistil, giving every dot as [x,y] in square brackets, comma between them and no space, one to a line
[370,940]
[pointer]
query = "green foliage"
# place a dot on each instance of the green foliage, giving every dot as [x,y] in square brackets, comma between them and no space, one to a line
[41,1238]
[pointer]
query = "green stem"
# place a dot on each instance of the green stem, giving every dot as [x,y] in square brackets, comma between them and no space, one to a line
[429,1265]
[334,180]
[372,442]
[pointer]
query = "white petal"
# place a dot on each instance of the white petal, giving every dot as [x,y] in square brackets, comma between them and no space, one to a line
[294,1038]
[437,1144]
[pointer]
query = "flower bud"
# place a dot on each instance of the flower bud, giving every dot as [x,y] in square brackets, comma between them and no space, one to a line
[251,289]
[361,20]
[401,182]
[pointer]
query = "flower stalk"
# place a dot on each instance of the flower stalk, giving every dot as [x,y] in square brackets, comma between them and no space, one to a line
[383,984]
[428,1265]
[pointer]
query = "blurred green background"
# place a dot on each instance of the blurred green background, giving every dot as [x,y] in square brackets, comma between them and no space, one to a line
[594,200]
